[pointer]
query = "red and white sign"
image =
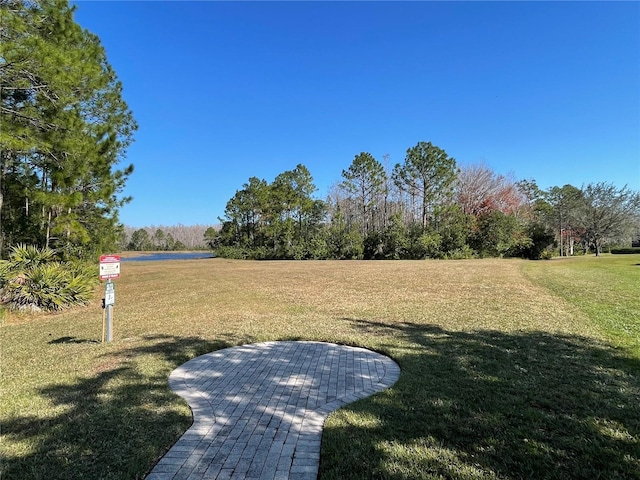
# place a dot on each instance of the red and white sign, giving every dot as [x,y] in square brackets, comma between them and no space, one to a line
[109,267]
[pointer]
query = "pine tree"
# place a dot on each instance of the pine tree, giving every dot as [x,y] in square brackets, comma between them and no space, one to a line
[366,180]
[427,173]
[65,128]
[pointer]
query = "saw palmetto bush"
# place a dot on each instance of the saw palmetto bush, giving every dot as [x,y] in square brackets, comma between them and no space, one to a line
[33,279]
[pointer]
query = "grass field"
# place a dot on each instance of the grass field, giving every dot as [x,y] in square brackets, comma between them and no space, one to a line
[510,369]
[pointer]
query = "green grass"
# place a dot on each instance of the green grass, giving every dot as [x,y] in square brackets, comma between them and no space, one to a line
[605,289]
[510,369]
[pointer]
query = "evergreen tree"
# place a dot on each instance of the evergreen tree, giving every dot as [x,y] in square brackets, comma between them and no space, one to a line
[427,173]
[65,128]
[159,240]
[140,240]
[366,180]
[291,200]
[211,237]
[277,220]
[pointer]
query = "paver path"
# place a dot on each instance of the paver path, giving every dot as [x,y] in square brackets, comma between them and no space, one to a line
[259,409]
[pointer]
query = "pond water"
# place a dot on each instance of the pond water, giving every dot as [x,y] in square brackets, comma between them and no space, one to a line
[151,257]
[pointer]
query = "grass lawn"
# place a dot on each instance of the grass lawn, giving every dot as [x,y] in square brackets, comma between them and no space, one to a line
[510,369]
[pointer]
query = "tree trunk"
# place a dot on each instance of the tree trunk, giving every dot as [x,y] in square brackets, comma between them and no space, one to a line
[4,168]
[425,205]
[68,226]
[571,241]
[424,214]
[561,241]
[2,173]
[46,244]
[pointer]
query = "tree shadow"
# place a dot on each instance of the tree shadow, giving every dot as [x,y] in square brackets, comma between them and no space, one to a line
[490,404]
[121,419]
[481,404]
[71,340]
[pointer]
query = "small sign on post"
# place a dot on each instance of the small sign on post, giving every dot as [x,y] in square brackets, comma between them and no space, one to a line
[109,294]
[109,269]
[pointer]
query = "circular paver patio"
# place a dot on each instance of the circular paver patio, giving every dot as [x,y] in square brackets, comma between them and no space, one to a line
[259,409]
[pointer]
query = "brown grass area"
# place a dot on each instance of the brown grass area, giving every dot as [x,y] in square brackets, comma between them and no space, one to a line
[315,300]
[245,301]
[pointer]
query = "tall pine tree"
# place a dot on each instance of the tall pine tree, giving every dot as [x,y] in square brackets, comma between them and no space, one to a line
[366,180]
[64,130]
[427,173]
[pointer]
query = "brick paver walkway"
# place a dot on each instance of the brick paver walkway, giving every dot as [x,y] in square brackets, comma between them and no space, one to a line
[259,409]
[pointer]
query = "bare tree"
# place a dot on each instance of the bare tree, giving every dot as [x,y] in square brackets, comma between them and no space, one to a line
[479,190]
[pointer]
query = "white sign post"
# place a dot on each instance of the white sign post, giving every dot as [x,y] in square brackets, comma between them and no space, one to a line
[109,269]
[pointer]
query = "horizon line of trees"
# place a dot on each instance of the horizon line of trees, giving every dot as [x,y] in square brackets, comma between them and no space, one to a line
[425,207]
[167,237]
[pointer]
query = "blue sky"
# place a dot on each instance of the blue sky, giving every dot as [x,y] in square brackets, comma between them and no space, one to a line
[224,91]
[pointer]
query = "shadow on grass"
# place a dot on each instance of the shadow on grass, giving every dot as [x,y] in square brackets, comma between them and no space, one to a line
[71,340]
[490,404]
[468,405]
[113,425]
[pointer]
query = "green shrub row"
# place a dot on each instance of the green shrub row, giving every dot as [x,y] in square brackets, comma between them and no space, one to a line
[628,250]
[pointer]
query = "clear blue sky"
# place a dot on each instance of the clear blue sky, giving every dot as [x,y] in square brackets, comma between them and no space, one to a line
[225,91]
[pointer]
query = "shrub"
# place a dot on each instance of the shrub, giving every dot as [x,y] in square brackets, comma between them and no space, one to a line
[625,251]
[33,279]
[540,239]
[427,245]
[373,246]
[461,253]
[26,256]
[546,254]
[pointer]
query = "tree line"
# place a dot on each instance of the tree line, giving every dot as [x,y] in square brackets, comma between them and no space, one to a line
[168,238]
[428,206]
